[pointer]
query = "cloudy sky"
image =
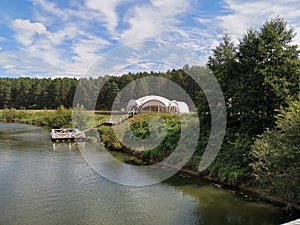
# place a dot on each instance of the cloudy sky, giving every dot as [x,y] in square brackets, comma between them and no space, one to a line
[50,38]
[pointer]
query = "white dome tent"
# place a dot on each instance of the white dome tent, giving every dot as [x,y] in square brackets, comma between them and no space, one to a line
[154,103]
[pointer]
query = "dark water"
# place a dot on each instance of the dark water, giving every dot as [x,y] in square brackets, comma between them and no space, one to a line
[43,185]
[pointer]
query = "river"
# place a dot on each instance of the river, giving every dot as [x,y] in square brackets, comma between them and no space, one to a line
[40,184]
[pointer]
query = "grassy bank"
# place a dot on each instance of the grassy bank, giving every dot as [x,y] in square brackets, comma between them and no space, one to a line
[232,165]
[229,167]
[36,117]
[61,117]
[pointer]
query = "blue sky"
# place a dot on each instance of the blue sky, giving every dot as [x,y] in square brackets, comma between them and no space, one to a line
[54,38]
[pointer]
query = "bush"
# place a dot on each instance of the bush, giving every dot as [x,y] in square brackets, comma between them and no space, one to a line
[109,139]
[276,154]
[61,118]
[232,162]
[9,115]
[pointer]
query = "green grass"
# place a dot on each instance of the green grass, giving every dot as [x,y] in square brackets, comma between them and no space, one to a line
[38,117]
[26,116]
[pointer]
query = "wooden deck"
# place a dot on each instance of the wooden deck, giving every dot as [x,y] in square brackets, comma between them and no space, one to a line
[67,135]
[76,134]
[112,121]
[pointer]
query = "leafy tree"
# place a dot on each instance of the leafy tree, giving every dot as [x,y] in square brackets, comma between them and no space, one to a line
[224,66]
[7,98]
[276,154]
[269,74]
[61,118]
[258,77]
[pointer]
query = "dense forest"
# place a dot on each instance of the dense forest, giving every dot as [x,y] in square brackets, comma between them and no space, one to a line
[260,80]
[32,93]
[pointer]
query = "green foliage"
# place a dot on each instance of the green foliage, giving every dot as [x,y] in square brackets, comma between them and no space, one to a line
[109,139]
[140,129]
[9,115]
[231,174]
[232,162]
[61,118]
[169,142]
[33,93]
[257,76]
[82,118]
[276,154]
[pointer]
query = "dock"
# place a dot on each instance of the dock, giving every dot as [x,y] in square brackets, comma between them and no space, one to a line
[75,134]
[112,121]
[67,135]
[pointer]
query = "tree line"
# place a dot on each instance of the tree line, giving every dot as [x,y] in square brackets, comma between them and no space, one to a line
[47,93]
[33,93]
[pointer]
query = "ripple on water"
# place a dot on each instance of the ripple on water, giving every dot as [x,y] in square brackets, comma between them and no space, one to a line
[45,185]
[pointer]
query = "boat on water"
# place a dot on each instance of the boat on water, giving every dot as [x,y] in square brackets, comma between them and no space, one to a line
[64,134]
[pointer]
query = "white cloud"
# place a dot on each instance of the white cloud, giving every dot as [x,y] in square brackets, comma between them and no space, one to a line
[9,67]
[38,45]
[67,37]
[107,10]
[50,7]
[41,47]
[151,21]
[26,30]
[71,45]
[253,13]
[87,50]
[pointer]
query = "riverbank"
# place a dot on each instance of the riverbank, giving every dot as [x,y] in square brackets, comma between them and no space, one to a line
[242,189]
[67,191]
[140,128]
[251,192]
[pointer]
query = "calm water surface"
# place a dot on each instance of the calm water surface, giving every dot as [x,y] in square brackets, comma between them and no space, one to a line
[40,184]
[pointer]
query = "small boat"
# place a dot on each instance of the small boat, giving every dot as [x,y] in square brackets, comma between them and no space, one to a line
[67,135]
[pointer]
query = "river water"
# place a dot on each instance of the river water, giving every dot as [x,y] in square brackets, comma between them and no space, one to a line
[40,185]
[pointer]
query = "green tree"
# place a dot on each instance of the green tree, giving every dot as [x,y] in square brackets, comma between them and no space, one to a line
[258,77]
[61,118]
[224,66]
[276,154]
[7,97]
[269,74]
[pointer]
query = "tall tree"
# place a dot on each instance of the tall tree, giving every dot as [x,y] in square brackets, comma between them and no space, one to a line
[269,66]
[259,75]
[224,66]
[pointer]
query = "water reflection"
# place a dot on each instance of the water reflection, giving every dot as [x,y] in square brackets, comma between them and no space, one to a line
[46,183]
[71,145]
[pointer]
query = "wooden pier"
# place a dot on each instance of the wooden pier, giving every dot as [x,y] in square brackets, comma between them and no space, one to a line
[67,135]
[112,121]
[75,134]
